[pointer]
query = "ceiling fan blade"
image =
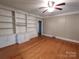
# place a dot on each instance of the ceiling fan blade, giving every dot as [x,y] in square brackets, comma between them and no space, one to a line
[44,11]
[61,4]
[59,8]
[42,7]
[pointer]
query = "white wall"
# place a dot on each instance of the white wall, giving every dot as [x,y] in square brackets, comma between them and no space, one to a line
[63,26]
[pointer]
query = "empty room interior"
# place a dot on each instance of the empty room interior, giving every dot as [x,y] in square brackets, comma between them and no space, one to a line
[39,29]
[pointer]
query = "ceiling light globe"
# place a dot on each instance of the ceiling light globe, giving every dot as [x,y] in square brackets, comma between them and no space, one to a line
[50,9]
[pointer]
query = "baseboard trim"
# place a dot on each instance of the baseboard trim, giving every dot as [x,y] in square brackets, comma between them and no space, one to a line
[62,38]
[48,35]
[67,39]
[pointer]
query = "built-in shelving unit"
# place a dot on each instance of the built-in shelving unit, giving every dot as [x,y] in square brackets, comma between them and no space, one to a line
[12,22]
[16,26]
[20,19]
[6,25]
[31,23]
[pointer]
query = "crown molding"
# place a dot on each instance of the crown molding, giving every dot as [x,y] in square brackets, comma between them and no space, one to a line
[17,10]
[68,13]
[64,14]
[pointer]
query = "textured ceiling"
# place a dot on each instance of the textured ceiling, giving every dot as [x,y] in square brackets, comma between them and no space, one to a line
[32,6]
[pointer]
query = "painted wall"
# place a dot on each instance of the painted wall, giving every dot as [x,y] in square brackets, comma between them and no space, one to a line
[63,26]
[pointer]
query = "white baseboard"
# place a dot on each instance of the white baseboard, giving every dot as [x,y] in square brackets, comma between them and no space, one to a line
[67,39]
[48,35]
[62,38]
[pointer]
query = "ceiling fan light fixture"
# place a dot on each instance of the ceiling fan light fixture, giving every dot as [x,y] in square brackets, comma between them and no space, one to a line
[52,6]
[50,9]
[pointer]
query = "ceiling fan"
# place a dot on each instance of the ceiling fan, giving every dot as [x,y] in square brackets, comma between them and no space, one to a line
[52,5]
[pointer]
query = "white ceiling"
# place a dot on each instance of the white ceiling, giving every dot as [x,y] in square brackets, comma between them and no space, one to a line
[32,6]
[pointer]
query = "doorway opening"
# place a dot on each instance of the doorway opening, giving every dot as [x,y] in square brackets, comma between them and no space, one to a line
[40,28]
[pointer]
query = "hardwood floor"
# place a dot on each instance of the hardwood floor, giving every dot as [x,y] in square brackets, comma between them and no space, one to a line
[42,48]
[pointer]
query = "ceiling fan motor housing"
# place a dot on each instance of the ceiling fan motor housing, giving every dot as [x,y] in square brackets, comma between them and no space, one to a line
[50,3]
